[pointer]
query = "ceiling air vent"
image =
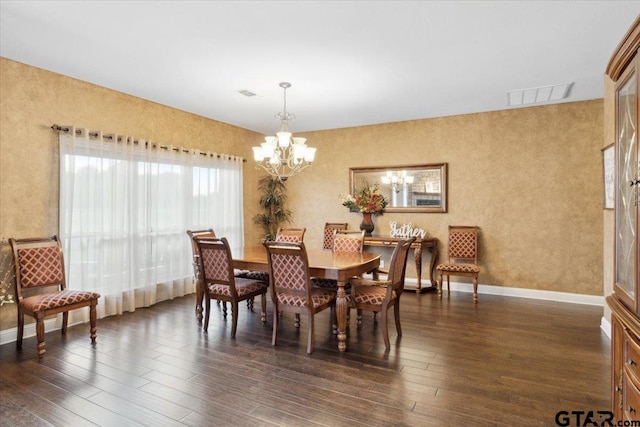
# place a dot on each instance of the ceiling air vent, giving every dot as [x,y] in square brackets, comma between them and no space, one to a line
[246,93]
[538,95]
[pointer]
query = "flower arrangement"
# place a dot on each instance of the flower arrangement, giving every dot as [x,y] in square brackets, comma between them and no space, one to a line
[367,199]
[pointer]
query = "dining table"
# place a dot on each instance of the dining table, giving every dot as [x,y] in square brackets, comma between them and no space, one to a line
[339,266]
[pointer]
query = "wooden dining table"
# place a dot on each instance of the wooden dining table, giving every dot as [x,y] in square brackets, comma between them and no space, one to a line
[339,266]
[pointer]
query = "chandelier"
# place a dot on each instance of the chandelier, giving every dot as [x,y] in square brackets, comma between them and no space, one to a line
[282,155]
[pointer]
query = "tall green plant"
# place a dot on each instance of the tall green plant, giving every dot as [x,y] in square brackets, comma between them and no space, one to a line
[274,196]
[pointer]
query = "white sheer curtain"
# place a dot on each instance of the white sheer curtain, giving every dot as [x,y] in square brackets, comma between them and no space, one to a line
[125,207]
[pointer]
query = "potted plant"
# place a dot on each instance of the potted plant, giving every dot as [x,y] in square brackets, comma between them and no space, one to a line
[274,196]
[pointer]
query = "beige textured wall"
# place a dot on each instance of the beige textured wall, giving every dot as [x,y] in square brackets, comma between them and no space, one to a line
[530,178]
[31,100]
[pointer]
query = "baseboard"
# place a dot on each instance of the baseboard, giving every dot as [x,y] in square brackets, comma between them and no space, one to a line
[11,334]
[597,300]
[605,325]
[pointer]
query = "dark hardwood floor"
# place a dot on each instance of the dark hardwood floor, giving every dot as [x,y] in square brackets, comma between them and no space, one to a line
[501,362]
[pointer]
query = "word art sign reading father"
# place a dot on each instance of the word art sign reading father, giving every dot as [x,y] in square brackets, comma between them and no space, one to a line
[406,230]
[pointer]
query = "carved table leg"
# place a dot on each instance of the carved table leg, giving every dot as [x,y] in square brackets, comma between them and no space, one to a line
[432,266]
[341,314]
[417,257]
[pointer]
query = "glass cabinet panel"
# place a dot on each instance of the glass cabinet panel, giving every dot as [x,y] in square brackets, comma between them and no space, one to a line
[626,191]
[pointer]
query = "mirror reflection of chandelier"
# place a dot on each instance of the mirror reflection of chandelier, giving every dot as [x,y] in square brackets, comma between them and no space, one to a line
[282,155]
[399,182]
[400,178]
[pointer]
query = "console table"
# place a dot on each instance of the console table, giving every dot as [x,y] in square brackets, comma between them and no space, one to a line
[430,243]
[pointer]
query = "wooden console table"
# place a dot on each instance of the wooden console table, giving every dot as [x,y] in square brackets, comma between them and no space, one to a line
[430,243]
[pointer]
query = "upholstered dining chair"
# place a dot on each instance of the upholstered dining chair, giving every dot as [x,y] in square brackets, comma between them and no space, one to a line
[329,231]
[293,235]
[462,255]
[291,289]
[216,267]
[343,241]
[206,233]
[39,266]
[380,295]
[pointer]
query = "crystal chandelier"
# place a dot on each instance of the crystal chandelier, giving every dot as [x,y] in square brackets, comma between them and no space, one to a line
[282,155]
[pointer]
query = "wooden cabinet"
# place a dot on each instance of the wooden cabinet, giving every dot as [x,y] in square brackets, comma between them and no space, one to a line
[623,71]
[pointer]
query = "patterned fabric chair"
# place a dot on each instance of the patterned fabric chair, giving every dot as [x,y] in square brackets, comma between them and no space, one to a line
[208,233]
[216,265]
[380,295]
[329,231]
[39,265]
[292,235]
[463,257]
[291,289]
[343,241]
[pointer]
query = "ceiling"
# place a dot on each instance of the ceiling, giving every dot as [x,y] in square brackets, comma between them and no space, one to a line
[350,63]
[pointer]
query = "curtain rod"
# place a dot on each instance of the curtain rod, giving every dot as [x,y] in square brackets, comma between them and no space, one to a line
[67,129]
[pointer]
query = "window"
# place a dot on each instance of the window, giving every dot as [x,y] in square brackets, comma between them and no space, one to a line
[125,209]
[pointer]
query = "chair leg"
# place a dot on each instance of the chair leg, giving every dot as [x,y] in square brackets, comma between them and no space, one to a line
[20,328]
[93,316]
[263,302]
[359,317]
[310,338]
[448,287]
[475,289]
[274,335]
[224,310]
[207,307]
[439,283]
[396,312]
[199,298]
[385,328]
[297,321]
[40,335]
[234,318]
[65,322]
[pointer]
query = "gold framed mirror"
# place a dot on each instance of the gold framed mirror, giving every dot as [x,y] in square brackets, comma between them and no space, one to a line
[410,188]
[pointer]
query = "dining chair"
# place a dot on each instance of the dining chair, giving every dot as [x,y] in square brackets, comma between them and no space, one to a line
[343,241]
[219,282]
[379,296]
[206,233]
[329,231]
[291,289]
[39,266]
[293,235]
[462,253]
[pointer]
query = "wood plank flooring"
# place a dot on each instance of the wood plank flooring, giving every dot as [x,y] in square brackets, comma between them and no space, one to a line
[501,362]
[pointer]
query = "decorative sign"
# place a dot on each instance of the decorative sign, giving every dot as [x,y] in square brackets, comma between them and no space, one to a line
[406,230]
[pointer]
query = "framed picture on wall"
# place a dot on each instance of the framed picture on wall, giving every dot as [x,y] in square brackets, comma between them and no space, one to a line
[608,178]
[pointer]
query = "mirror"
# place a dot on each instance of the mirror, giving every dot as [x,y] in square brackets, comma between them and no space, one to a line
[416,188]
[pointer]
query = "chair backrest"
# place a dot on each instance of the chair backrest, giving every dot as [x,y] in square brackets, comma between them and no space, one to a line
[463,243]
[398,264]
[329,230]
[291,235]
[215,262]
[288,270]
[348,241]
[38,262]
[208,233]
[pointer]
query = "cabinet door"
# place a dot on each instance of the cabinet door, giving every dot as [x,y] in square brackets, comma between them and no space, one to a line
[626,188]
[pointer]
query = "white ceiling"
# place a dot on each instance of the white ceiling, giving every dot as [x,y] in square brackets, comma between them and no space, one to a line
[350,63]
